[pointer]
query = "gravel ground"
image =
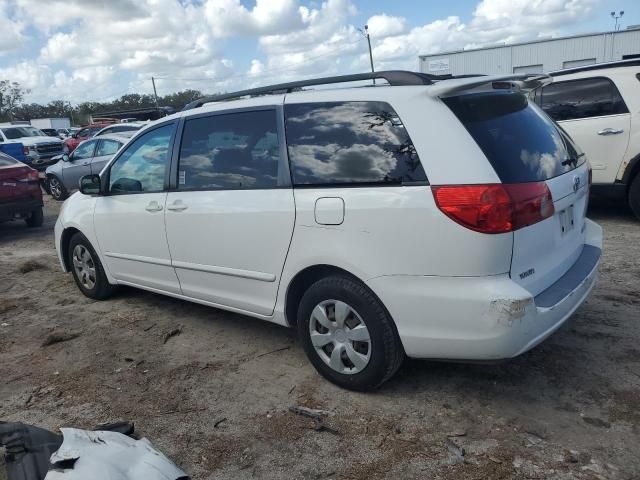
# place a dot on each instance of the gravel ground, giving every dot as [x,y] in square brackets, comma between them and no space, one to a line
[215,397]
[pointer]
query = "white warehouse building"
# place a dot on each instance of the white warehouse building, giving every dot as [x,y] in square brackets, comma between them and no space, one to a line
[537,56]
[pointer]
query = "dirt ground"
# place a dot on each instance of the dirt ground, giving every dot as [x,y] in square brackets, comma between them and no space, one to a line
[215,398]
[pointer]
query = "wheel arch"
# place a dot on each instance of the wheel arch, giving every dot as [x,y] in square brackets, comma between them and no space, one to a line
[65,239]
[307,277]
[632,169]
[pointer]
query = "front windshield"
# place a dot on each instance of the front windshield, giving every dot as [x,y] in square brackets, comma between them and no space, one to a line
[14,133]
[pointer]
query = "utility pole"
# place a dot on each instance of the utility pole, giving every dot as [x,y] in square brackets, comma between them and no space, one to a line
[155,93]
[365,32]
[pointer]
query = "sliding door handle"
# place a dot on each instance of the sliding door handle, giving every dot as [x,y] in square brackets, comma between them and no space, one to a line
[177,206]
[610,131]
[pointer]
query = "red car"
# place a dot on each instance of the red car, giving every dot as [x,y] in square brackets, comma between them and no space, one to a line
[20,194]
[85,133]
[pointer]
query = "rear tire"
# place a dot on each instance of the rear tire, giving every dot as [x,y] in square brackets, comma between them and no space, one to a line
[348,335]
[57,188]
[35,219]
[87,269]
[634,195]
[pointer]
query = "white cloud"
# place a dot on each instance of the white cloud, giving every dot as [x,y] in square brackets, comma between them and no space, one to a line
[93,49]
[11,37]
[230,17]
[384,25]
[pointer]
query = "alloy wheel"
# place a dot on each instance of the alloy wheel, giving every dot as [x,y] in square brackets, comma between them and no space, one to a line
[55,187]
[84,266]
[340,337]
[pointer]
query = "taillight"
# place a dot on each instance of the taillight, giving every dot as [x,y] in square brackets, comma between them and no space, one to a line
[32,176]
[590,174]
[497,207]
[25,150]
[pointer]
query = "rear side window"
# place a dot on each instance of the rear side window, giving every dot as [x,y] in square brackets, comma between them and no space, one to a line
[519,140]
[107,147]
[230,151]
[590,97]
[350,143]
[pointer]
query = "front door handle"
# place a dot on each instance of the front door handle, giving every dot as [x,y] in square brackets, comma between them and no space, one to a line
[177,206]
[610,131]
[153,207]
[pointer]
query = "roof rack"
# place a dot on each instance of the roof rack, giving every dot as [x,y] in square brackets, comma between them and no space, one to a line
[393,77]
[597,66]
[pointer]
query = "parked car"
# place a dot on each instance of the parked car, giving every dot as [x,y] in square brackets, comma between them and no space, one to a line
[20,194]
[84,133]
[38,148]
[90,157]
[599,106]
[429,217]
[64,132]
[50,132]
[121,127]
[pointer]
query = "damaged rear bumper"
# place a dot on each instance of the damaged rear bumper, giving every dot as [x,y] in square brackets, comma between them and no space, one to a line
[484,318]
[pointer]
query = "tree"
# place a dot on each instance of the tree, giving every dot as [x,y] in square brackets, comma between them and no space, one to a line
[11,95]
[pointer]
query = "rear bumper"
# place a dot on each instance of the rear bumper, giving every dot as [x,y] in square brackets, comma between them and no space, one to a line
[484,318]
[24,207]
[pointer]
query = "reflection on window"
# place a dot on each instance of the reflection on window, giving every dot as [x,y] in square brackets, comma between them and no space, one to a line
[107,147]
[350,142]
[84,150]
[590,97]
[231,151]
[141,166]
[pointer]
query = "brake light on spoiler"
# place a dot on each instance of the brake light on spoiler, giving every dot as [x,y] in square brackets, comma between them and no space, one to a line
[495,207]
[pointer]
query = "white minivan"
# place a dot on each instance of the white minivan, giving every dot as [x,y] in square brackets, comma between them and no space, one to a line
[424,216]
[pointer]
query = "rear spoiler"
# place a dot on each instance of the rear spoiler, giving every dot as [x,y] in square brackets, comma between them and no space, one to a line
[521,82]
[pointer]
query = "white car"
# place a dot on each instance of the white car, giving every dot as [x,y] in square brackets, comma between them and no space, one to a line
[428,217]
[599,107]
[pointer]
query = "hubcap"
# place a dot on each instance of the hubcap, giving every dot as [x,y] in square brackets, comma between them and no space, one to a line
[55,188]
[84,266]
[340,336]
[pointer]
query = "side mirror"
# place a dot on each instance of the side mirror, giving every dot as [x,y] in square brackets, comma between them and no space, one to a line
[90,185]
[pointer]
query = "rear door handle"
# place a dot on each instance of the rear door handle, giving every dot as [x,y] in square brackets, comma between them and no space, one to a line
[153,207]
[177,206]
[610,131]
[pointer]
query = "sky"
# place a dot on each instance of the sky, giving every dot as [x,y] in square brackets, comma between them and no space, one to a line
[98,50]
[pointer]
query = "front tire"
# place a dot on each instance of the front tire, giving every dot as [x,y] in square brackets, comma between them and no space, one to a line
[57,188]
[35,219]
[634,195]
[348,335]
[87,269]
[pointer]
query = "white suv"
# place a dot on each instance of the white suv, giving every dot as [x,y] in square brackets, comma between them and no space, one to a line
[437,218]
[599,107]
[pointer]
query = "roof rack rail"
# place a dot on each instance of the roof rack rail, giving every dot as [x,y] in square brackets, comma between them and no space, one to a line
[631,62]
[393,77]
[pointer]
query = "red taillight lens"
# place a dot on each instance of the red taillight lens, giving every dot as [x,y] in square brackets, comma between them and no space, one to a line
[495,208]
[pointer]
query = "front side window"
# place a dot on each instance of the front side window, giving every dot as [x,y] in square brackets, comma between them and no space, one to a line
[350,143]
[141,167]
[107,147]
[84,150]
[574,99]
[83,133]
[230,151]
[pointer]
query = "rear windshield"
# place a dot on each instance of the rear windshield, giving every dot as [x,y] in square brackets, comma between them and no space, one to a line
[7,161]
[520,141]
